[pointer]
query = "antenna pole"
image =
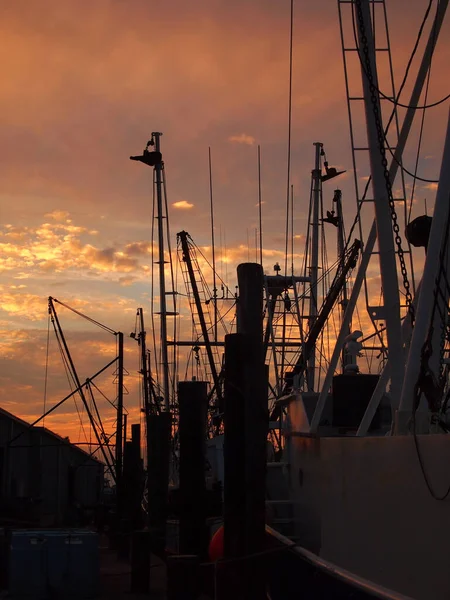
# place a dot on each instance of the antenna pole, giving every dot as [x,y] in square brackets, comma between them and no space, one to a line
[260,206]
[120,418]
[213,245]
[292,230]
[289,133]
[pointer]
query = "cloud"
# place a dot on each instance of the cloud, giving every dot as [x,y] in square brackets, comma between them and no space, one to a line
[27,306]
[60,247]
[138,248]
[430,186]
[127,281]
[243,138]
[182,205]
[58,215]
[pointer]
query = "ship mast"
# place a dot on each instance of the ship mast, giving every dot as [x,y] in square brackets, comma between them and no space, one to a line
[154,159]
[314,265]
[162,280]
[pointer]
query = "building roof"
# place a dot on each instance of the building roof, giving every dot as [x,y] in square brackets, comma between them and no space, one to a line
[65,441]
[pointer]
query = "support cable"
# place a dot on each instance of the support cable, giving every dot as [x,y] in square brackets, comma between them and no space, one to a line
[80,314]
[395,102]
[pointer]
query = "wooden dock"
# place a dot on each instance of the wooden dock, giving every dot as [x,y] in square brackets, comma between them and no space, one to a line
[115,578]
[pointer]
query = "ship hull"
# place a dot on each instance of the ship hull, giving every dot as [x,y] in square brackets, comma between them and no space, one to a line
[363,503]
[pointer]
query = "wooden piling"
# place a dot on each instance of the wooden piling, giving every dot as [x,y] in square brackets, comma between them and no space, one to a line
[140,562]
[193,404]
[183,577]
[159,435]
[250,326]
[234,448]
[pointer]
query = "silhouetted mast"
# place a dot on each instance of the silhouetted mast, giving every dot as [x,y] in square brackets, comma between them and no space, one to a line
[154,159]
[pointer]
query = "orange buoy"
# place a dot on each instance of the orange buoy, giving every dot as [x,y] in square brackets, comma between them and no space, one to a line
[215,550]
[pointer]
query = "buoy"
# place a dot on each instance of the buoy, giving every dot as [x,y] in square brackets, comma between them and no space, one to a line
[215,550]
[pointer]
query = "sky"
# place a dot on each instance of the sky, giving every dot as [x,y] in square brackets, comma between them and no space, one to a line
[85,84]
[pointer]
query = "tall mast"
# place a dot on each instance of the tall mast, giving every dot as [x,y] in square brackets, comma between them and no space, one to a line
[429,324]
[144,362]
[161,262]
[154,159]
[347,357]
[213,245]
[260,207]
[314,264]
[382,197]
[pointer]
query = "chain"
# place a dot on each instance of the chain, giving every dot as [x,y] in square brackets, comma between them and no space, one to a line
[384,162]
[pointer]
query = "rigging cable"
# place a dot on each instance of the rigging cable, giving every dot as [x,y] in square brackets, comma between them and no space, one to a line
[198,249]
[70,376]
[104,396]
[46,368]
[419,144]
[423,117]
[423,366]
[402,85]
[395,102]
[80,314]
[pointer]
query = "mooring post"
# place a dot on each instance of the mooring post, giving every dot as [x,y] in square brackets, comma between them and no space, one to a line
[193,405]
[159,435]
[231,574]
[183,577]
[250,326]
[140,561]
[136,477]
[234,448]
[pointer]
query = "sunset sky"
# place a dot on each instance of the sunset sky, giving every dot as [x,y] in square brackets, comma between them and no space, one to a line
[83,86]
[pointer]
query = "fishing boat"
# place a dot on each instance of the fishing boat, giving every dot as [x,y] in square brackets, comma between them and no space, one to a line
[356,465]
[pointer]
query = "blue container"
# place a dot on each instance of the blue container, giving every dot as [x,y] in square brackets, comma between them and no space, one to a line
[53,564]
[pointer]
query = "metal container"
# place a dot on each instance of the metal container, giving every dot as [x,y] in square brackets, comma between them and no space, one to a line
[53,564]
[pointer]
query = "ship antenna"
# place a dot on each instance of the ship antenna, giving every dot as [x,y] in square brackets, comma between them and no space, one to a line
[260,206]
[213,245]
[292,230]
[288,185]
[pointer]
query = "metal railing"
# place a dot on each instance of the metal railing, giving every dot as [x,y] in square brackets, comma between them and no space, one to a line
[331,576]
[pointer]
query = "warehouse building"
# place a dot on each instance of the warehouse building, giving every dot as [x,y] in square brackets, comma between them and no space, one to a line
[44,479]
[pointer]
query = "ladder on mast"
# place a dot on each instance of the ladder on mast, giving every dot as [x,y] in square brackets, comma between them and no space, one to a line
[359,142]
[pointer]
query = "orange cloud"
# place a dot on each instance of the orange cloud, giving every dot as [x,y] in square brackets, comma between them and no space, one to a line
[182,205]
[243,138]
[57,247]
